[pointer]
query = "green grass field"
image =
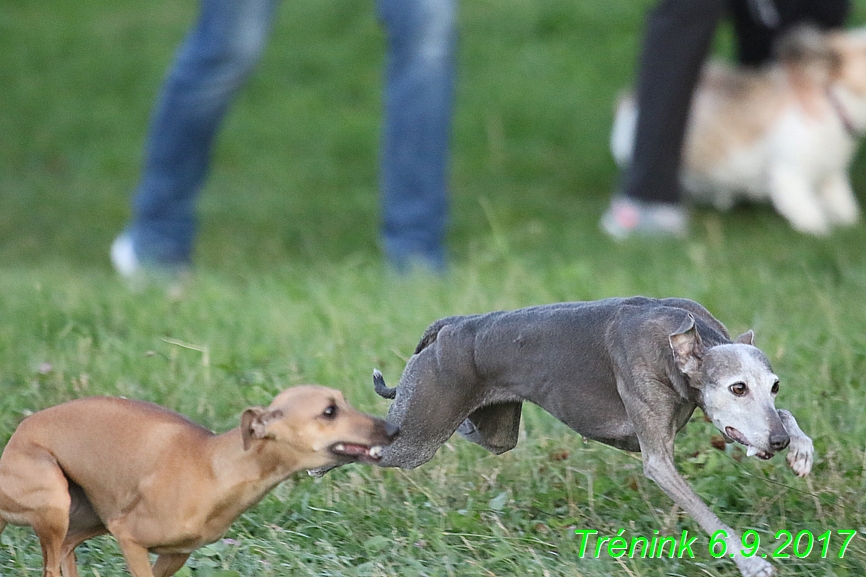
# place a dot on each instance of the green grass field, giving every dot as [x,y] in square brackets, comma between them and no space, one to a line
[290,288]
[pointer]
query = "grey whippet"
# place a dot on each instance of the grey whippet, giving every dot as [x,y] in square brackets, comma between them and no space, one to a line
[626,372]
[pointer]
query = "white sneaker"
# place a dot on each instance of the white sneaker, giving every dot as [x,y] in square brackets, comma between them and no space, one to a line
[123,257]
[124,260]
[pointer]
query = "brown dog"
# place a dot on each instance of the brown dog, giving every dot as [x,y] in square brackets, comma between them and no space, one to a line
[158,482]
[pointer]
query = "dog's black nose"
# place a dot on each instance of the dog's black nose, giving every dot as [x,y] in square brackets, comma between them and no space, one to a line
[779,441]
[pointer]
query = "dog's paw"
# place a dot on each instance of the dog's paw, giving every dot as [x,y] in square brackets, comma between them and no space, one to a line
[801,452]
[815,224]
[754,567]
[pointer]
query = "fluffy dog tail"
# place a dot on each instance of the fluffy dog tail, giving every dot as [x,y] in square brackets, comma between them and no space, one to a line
[381,389]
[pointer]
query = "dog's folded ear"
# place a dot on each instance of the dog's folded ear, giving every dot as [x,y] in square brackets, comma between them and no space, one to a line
[687,346]
[747,338]
[254,424]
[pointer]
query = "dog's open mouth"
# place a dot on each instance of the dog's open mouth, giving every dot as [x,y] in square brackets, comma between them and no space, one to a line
[359,452]
[751,450]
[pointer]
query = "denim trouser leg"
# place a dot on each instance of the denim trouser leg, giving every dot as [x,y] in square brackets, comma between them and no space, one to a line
[214,61]
[419,81]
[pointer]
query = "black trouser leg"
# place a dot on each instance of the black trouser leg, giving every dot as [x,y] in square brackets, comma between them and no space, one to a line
[678,37]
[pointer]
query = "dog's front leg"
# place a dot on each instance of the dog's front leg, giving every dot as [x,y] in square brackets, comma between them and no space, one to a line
[655,418]
[659,466]
[168,565]
[801,451]
[839,199]
[137,559]
[794,197]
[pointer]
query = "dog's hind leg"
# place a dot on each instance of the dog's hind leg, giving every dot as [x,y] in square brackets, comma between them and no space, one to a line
[34,492]
[84,524]
[431,401]
[137,559]
[494,427]
[50,528]
[74,539]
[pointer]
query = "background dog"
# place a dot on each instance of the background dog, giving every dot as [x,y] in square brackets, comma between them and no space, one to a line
[787,133]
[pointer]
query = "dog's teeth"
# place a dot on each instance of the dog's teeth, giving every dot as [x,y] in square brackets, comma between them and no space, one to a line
[752,451]
[376,451]
[340,447]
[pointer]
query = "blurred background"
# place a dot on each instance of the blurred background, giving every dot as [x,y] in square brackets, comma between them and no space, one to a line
[295,172]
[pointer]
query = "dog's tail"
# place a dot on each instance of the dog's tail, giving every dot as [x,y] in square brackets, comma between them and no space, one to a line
[381,389]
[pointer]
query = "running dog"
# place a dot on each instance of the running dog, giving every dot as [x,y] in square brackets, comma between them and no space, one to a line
[627,372]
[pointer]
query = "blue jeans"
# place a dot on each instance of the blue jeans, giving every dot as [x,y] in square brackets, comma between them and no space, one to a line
[216,59]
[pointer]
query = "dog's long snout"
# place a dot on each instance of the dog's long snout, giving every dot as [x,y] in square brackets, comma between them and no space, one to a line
[779,441]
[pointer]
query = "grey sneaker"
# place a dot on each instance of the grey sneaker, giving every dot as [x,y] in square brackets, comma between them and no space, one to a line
[626,217]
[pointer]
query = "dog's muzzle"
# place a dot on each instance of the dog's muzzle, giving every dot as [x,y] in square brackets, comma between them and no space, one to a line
[751,450]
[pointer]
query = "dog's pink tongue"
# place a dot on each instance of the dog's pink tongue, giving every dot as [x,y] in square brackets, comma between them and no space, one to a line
[350,449]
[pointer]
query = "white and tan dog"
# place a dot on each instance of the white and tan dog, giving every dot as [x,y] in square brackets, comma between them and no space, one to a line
[787,133]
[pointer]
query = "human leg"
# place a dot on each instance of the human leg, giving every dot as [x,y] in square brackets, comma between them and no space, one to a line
[214,61]
[419,80]
[677,40]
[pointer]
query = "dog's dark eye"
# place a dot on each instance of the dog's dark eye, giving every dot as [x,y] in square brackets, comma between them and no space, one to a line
[775,388]
[739,389]
[330,412]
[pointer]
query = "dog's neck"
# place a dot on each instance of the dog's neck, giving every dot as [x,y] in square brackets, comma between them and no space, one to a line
[243,477]
[844,114]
